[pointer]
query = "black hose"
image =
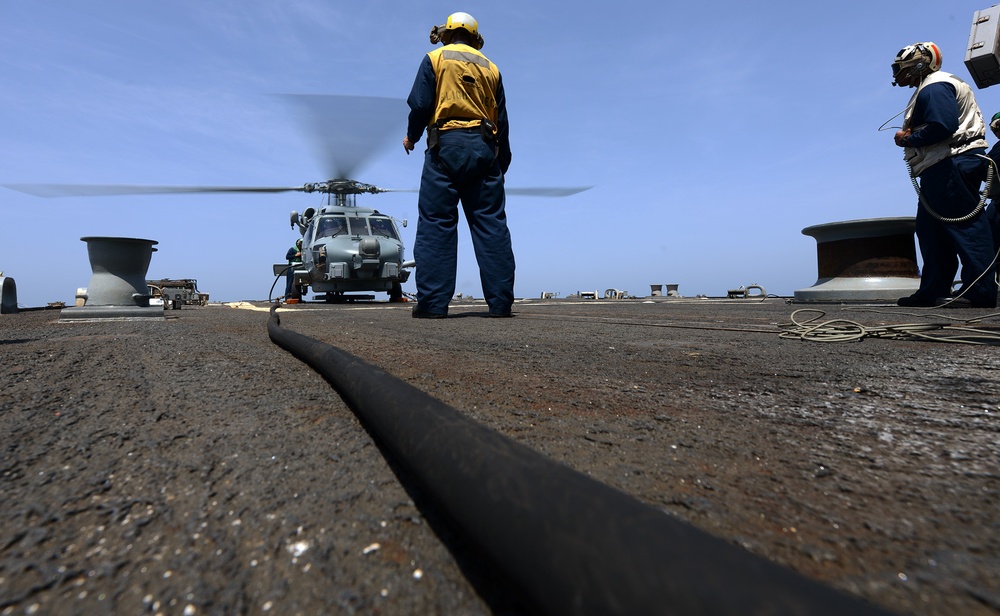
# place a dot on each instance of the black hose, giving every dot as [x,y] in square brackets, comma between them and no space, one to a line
[572,544]
[276,279]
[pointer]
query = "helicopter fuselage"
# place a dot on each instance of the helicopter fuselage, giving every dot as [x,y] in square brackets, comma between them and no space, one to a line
[349,249]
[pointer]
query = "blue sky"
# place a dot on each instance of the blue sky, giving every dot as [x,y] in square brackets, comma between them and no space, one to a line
[713,133]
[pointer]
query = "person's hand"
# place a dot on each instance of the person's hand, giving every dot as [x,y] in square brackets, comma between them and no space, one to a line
[407,145]
[902,134]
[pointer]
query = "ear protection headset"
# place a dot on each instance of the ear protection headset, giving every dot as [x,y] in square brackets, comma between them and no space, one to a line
[926,58]
[456,21]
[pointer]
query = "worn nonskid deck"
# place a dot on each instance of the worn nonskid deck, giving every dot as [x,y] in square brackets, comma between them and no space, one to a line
[191,462]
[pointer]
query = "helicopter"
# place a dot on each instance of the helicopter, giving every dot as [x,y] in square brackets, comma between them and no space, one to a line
[346,248]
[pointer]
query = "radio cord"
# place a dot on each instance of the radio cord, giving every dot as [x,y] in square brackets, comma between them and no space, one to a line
[975,212]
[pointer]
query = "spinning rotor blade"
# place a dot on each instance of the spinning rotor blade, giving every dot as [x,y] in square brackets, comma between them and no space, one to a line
[105,190]
[554,191]
[100,190]
[564,191]
[346,131]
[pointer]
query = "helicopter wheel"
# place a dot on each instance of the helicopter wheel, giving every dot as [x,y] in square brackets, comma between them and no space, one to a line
[396,294]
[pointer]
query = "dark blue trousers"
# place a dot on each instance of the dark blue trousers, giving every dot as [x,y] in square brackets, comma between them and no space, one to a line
[462,168]
[951,188]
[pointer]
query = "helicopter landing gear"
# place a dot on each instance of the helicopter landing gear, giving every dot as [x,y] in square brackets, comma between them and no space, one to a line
[396,293]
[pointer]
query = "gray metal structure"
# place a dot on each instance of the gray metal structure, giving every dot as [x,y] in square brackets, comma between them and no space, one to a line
[982,56]
[869,260]
[177,293]
[117,288]
[8,295]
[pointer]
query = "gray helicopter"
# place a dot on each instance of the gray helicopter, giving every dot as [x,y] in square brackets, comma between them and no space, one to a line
[345,248]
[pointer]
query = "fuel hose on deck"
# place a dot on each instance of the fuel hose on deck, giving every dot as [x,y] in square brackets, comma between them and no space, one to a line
[571,544]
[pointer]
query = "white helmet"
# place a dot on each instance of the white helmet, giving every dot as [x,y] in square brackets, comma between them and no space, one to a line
[914,62]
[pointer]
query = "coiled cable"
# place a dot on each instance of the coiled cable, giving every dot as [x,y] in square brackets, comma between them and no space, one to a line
[976,211]
[843,330]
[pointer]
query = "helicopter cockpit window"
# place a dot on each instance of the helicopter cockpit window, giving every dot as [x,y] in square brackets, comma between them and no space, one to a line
[382,226]
[358,226]
[331,226]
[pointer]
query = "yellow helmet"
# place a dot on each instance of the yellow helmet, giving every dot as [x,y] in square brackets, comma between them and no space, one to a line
[462,20]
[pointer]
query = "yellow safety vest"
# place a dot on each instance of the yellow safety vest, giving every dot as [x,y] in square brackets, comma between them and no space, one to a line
[467,84]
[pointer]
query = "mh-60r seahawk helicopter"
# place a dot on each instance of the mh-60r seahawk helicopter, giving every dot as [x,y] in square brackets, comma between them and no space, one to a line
[345,248]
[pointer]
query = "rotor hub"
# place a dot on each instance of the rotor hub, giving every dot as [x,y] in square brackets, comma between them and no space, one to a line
[342,187]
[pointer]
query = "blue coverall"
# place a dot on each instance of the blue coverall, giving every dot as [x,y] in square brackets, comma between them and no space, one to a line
[992,213]
[462,167]
[951,188]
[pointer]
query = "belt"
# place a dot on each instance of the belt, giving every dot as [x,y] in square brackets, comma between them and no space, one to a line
[441,121]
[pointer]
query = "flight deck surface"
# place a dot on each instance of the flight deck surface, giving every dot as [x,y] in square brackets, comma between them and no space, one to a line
[193,462]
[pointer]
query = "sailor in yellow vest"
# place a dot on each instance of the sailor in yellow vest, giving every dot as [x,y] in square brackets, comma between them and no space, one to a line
[458,97]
